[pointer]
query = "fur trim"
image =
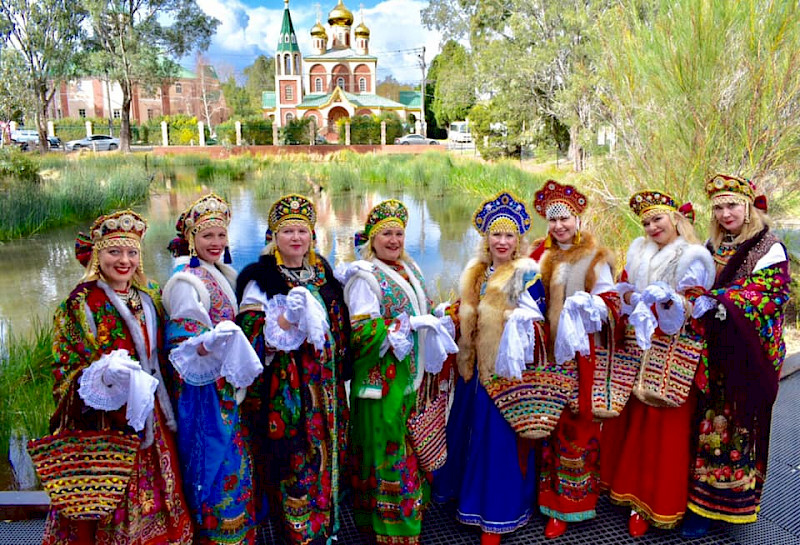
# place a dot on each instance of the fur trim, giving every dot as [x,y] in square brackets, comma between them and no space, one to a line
[483,318]
[566,271]
[647,263]
[195,282]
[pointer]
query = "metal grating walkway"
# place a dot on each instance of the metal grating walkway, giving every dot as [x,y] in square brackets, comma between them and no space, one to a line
[778,523]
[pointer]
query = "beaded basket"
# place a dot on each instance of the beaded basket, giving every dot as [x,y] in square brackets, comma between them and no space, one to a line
[426,431]
[616,368]
[534,404]
[85,473]
[668,369]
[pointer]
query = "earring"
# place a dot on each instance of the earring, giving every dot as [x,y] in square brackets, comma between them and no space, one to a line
[747,212]
[194,262]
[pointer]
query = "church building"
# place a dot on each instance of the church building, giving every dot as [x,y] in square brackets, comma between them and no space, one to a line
[336,80]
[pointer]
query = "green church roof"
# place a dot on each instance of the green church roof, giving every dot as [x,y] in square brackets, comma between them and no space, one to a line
[287,43]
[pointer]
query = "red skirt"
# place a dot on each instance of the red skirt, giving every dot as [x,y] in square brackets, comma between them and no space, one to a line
[646,457]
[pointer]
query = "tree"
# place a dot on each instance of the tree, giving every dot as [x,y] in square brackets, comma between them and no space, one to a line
[260,77]
[46,33]
[453,75]
[694,87]
[16,98]
[133,42]
[210,95]
[238,100]
[536,59]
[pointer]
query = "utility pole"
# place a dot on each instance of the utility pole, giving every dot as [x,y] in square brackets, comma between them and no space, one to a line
[423,125]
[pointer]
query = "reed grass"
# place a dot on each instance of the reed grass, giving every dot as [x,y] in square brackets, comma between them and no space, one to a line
[26,384]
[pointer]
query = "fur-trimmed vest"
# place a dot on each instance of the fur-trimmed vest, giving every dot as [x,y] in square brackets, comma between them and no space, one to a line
[483,316]
[214,284]
[647,263]
[566,271]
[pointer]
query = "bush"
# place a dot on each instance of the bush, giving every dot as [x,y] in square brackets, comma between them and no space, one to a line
[297,131]
[75,128]
[367,129]
[17,166]
[255,131]
[182,130]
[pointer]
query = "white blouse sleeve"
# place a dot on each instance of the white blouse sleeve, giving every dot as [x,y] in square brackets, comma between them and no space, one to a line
[362,300]
[605,283]
[671,318]
[776,254]
[253,296]
[184,303]
[526,301]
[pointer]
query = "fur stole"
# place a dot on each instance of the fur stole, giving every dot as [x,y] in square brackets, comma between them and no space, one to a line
[482,319]
[566,271]
[647,263]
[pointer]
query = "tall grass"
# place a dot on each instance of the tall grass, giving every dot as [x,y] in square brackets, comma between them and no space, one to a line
[68,191]
[26,384]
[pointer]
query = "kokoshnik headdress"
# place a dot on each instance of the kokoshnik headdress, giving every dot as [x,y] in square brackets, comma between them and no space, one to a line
[292,209]
[208,211]
[384,215]
[123,228]
[502,213]
[648,203]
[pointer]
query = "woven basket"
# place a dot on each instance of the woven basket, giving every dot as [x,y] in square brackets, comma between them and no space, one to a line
[85,473]
[426,431]
[534,404]
[616,368]
[668,369]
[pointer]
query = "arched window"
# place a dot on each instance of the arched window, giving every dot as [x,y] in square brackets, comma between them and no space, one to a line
[340,83]
[318,85]
[289,92]
[296,63]
[362,84]
[178,88]
[289,117]
[287,64]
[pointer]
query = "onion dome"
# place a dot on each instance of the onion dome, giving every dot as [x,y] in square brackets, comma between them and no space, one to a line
[362,30]
[318,31]
[340,15]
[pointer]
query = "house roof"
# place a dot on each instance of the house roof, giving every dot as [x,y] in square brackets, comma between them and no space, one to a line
[410,99]
[362,100]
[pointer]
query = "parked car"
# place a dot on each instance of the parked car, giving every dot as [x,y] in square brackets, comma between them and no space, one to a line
[97,142]
[415,139]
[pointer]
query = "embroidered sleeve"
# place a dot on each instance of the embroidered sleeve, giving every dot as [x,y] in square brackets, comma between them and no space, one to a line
[73,347]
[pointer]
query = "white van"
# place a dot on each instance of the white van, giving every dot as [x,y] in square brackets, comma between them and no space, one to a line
[25,135]
[459,132]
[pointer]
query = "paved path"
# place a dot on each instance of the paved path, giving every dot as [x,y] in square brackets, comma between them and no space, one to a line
[778,523]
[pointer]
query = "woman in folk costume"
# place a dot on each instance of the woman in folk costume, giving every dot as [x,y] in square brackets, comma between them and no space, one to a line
[738,375]
[106,353]
[490,470]
[292,310]
[581,297]
[393,340]
[646,451]
[213,364]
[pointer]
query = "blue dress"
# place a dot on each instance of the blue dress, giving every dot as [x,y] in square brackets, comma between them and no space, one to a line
[490,471]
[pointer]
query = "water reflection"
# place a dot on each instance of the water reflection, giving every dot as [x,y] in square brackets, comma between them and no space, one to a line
[41,270]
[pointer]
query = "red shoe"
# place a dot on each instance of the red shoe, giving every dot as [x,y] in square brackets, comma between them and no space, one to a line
[488,538]
[555,528]
[637,525]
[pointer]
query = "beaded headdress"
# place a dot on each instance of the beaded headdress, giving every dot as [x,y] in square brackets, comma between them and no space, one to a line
[208,211]
[123,228]
[292,209]
[386,214]
[649,203]
[723,188]
[502,213]
[554,200]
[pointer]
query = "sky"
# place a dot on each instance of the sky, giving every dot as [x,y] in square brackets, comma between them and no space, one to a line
[249,28]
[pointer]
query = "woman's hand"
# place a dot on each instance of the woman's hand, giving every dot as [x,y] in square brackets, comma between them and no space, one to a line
[201,350]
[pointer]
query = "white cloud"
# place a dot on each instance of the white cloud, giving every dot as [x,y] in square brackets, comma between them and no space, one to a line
[245,32]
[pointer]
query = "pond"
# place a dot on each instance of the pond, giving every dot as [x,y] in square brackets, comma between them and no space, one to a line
[41,270]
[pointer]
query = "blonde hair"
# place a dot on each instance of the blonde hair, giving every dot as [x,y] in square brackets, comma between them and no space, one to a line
[272,247]
[758,220]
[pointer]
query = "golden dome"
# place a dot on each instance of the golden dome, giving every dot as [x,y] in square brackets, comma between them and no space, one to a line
[318,30]
[340,15]
[362,30]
